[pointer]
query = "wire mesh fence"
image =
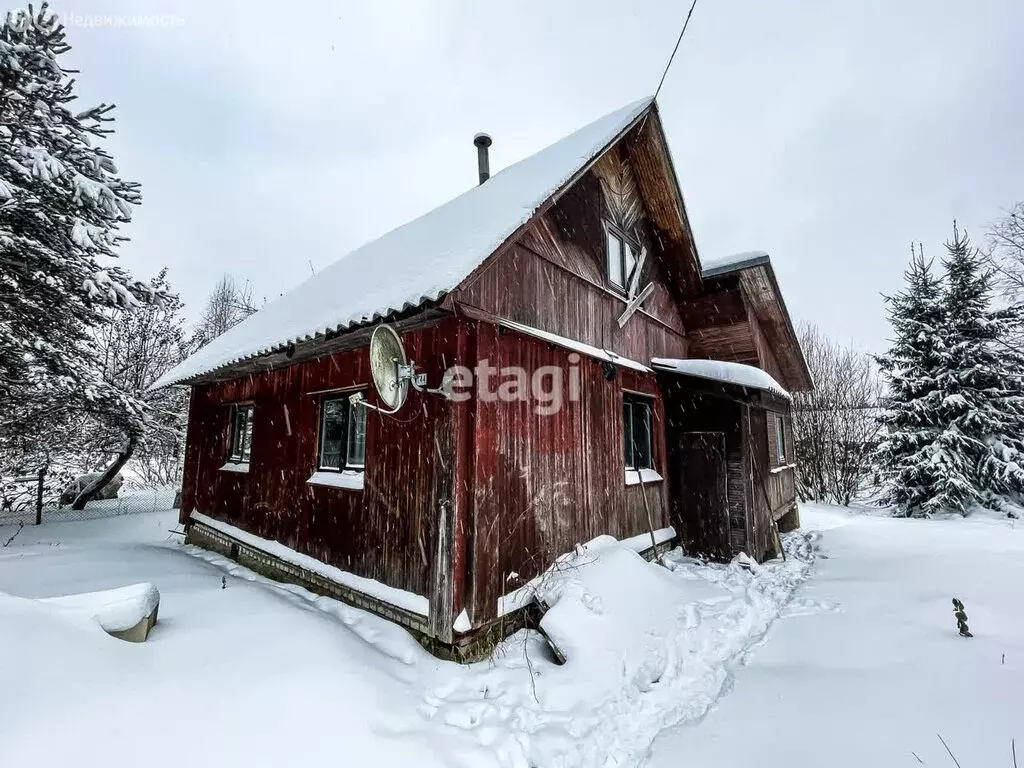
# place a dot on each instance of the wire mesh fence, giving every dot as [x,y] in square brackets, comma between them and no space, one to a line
[129,501]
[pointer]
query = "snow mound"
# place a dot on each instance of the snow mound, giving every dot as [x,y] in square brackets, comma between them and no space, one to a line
[646,647]
[418,262]
[725,372]
[48,624]
[40,643]
[115,610]
[611,616]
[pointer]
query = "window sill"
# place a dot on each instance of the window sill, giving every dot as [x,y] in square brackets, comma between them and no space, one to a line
[646,476]
[783,468]
[236,466]
[353,481]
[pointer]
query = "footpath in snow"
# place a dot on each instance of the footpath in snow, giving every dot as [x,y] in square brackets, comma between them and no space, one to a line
[242,671]
[866,667]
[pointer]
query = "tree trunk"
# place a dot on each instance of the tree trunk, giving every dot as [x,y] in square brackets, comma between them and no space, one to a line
[92,490]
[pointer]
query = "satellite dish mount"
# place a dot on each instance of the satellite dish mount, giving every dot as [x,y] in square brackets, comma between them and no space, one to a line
[393,372]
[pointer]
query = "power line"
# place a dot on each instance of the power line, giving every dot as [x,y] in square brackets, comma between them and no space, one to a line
[678,41]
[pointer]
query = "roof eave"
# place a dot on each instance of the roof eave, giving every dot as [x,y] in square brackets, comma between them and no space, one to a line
[726,269]
[809,381]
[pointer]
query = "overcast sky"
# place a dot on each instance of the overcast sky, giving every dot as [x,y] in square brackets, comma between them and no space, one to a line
[271,136]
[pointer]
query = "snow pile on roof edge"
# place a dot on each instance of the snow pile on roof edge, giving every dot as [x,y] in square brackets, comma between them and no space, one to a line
[737,261]
[415,263]
[725,372]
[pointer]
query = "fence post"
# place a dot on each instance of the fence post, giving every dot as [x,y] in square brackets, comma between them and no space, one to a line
[39,495]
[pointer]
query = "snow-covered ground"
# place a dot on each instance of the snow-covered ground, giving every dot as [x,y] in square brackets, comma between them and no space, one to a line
[863,666]
[866,667]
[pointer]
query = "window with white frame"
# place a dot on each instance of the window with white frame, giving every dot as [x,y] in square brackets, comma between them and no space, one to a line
[636,425]
[342,435]
[241,433]
[621,257]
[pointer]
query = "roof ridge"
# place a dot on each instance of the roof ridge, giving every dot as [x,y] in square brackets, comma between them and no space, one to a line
[418,261]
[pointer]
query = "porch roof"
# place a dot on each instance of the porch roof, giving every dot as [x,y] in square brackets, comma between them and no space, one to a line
[736,374]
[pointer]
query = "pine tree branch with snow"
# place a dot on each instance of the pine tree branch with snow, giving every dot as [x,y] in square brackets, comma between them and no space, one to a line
[62,205]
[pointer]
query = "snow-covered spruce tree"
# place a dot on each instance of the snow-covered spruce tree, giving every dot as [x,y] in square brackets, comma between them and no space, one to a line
[983,406]
[919,471]
[61,205]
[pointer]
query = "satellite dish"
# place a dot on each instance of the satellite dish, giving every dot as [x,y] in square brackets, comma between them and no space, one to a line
[389,367]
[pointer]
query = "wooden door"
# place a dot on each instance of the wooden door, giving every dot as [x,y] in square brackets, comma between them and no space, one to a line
[702,506]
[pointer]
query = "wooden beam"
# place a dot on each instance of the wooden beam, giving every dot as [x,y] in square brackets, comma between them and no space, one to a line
[634,305]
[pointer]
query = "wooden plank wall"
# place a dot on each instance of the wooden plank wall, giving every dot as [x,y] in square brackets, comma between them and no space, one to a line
[760,292]
[760,539]
[385,532]
[781,491]
[739,497]
[766,358]
[553,278]
[781,481]
[541,484]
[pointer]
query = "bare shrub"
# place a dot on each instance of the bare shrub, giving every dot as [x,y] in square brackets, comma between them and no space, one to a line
[835,426]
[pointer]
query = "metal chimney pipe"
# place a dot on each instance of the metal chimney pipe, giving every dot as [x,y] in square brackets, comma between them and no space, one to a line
[482,141]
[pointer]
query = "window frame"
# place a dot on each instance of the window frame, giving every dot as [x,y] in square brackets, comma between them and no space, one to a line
[629,401]
[627,244]
[780,439]
[240,441]
[345,464]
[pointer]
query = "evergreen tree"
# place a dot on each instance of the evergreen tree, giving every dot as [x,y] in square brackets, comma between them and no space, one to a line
[983,405]
[916,468]
[62,203]
[955,409]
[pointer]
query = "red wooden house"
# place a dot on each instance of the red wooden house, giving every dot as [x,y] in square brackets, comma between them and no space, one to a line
[655,406]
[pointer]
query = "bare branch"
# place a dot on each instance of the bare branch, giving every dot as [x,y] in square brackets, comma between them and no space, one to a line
[835,425]
[21,524]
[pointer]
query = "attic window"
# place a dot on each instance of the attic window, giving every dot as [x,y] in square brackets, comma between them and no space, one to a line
[620,255]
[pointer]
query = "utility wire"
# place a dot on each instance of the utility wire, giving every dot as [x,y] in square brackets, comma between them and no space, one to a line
[678,41]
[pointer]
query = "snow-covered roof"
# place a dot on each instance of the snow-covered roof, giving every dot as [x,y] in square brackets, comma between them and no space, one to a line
[416,263]
[726,264]
[728,373]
